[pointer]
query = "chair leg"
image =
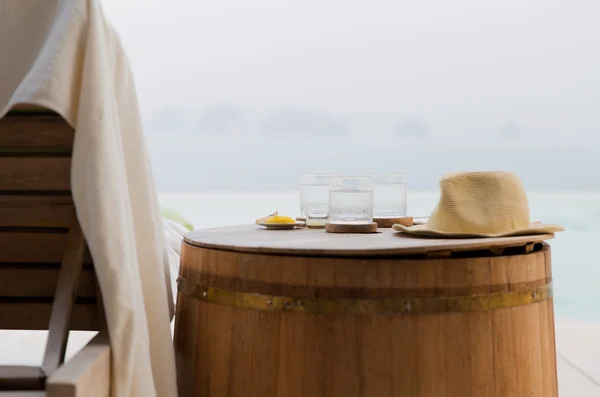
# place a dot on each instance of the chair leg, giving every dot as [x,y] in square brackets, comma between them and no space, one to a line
[64,299]
[99,301]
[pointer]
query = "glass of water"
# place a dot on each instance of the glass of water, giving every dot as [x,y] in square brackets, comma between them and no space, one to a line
[316,214]
[313,187]
[389,195]
[350,200]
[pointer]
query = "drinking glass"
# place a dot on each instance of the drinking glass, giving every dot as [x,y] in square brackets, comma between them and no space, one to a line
[389,195]
[313,187]
[316,214]
[350,200]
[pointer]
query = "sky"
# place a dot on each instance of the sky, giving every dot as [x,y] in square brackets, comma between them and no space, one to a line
[461,65]
[466,70]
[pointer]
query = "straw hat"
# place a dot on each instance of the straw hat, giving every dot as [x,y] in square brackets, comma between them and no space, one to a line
[480,204]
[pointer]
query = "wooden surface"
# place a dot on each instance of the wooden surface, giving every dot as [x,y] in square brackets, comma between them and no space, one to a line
[34,246]
[35,280]
[35,131]
[361,229]
[87,374]
[223,350]
[35,173]
[21,378]
[64,299]
[19,393]
[35,211]
[35,314]
[310,242]
[389,222]
[41,245]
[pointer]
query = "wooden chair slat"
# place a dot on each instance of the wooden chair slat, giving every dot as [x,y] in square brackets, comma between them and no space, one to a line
[33,280]
[35,211]
[39,247]
[21,130]
[86,374]
[28,393]
[35,173]
[44,284]
[21,378]
[64,299]
[23,314]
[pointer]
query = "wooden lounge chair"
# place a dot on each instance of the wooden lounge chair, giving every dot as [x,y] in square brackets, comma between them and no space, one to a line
[47,280]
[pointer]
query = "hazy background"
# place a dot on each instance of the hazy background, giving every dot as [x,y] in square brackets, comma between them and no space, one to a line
[239,94]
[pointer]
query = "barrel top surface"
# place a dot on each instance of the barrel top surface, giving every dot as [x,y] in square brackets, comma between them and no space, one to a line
[317,242]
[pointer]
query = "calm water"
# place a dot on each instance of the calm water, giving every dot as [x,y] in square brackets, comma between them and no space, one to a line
[576,260]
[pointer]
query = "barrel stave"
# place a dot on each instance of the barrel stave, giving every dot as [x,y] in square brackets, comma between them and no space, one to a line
[232,351]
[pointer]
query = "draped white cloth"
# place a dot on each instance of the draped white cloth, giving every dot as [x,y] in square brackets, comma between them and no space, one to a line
[64,55]
[174,233]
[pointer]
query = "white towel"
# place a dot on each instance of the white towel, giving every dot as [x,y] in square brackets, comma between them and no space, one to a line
[63,55]
[174,235]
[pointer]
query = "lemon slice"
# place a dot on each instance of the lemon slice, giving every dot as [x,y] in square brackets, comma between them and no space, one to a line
[279,219]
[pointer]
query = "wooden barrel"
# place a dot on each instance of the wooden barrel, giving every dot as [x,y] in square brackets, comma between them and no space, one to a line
[306,313]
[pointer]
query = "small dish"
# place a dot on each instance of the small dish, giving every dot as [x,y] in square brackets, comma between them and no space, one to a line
[280,226]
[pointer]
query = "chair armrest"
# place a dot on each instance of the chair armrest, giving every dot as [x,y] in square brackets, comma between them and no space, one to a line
[87,374]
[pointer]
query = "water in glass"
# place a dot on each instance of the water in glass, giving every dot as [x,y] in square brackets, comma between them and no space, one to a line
[350,206]
[316,213]
[313,187]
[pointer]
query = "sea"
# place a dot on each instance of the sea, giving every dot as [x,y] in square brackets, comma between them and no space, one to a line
[575,252]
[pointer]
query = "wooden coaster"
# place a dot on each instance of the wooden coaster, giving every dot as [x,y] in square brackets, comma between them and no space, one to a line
[364,228]
[389,222]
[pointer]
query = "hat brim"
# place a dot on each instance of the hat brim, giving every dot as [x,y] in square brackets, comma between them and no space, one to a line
[533,229]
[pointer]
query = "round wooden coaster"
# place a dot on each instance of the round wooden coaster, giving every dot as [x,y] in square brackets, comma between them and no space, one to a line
[363,228]
[389,222]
